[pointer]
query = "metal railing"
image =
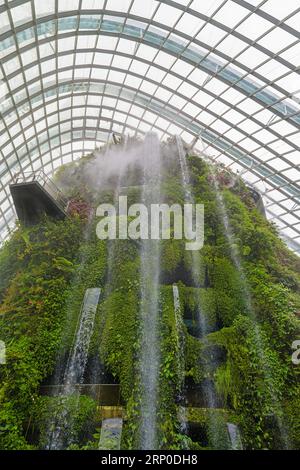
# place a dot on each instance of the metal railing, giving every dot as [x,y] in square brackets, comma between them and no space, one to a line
[43,180]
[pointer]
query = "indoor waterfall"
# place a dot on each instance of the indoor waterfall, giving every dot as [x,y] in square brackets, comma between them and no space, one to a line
[207,360]
[259,344]
[234,436]
[182,415]
[149,230]
[173,348]
[61,431]
[150,270]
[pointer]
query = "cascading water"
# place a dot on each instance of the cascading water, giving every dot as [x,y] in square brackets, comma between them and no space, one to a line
[62,432]
[181,360]
[185,177]
[196,259]
[111,433]
[234,436]
[97,369]
[260,350]
[119,173]
[150,271]
[208,362]
[78,359]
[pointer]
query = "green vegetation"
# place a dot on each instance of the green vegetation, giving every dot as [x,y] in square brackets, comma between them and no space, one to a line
[31,316]
[252,315]
[81,409]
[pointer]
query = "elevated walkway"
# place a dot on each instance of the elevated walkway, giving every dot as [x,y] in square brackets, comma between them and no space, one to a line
[34,194]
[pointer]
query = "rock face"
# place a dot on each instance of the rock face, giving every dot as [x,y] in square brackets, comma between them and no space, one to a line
[197,346]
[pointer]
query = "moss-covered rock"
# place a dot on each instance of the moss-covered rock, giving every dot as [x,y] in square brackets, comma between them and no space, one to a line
[238,316]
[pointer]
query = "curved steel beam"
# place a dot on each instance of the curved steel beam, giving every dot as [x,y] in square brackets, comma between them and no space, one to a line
[190,55]
[86,138]
[170,112]
[231,149]
[202,108]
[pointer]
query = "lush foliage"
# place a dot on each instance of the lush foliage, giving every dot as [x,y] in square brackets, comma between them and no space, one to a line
[248,291]
[31,315]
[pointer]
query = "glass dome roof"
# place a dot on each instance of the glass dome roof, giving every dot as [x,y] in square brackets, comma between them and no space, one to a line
[223,74]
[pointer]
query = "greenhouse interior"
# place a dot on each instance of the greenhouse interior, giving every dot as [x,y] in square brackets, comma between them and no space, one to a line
[149,225]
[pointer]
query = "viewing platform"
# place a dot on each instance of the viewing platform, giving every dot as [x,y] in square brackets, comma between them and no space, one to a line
[35,194]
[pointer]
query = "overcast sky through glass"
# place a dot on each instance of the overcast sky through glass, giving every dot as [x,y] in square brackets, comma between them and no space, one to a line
[223,74]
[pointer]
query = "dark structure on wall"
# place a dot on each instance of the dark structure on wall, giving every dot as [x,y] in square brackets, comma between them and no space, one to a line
[34,194]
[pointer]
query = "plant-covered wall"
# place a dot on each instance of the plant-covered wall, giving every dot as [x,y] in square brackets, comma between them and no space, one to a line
[247,293]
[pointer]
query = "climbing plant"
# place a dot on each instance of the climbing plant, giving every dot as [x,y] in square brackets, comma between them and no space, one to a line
[247,293]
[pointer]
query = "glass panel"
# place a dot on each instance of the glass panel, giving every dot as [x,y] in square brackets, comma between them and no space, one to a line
[189,23]
[211,35]
[167,15]
[68,5]
[231,14]
[44,8]
[208,7]
[21,14]
[118,5]
[145,8]
[280,10]
[277,40]
[254,26]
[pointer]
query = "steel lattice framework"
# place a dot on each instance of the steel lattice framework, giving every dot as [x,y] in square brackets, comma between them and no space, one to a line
[223,74]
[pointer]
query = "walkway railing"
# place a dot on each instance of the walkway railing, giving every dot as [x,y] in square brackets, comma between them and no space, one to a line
[46,183]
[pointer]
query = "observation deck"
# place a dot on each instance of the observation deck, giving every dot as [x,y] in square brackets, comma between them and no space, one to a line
[34,194]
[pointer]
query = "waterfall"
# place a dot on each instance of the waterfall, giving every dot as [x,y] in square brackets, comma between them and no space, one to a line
[185,177]
[61,435]
[112,243]
[78,359]
[68,322]
[149,311]
[196,258]
[234,436]
[236,259]
[181,360]
[111,433]
[207,361]
[97,369]
[2,353]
